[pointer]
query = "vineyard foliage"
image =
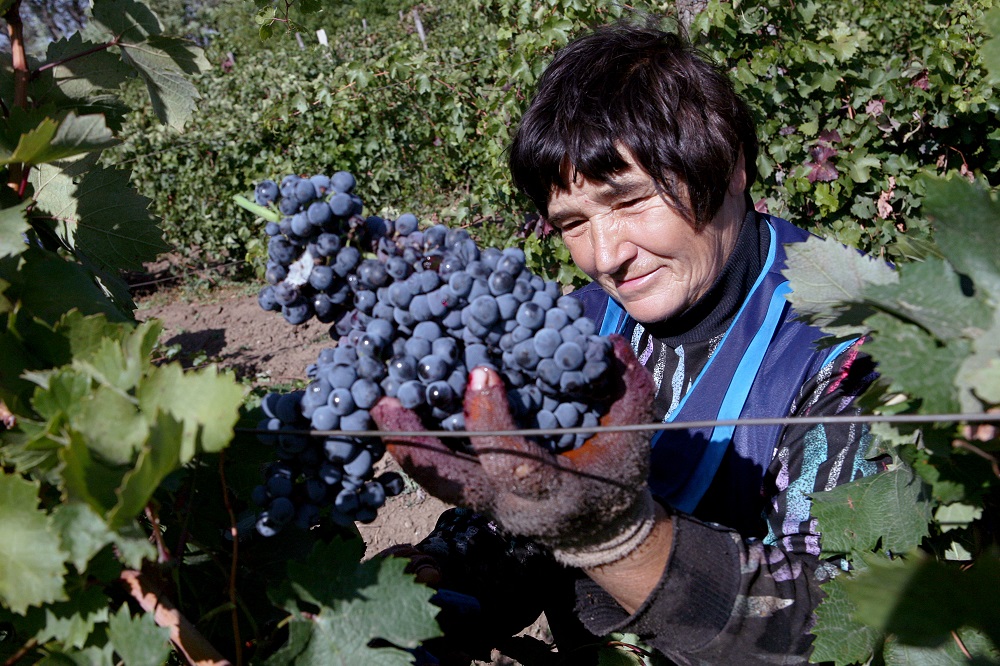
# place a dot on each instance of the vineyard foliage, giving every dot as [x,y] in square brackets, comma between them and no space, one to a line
[854,101]
[123,486]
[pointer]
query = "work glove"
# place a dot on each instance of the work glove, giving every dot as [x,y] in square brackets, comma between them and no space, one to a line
[590,506]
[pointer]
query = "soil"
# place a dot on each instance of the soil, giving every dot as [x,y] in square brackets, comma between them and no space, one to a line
[227,327]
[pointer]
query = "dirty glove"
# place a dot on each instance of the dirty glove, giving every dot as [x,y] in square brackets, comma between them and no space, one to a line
[591,506]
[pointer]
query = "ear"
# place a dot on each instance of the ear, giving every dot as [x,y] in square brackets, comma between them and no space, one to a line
[738,181]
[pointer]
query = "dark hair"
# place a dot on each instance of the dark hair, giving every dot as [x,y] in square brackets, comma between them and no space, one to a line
[646,91]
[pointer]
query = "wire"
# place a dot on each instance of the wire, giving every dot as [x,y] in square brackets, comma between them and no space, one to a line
[675,425]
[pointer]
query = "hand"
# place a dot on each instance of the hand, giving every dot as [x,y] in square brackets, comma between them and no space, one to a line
[591,506]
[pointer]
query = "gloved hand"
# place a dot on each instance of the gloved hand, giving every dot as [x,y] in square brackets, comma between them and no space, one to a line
[591,506]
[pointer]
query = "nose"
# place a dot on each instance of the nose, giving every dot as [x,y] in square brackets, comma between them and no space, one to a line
[613,247]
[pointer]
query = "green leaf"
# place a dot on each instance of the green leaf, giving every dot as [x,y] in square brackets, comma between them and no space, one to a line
[13,224]
[358,602]
[965,217]
[860,169]
[206,402]
[891,508]
[949,654]
[112,425]
[990,50]
[71,622]
[158,458]
[839,637]
[173,96]
[978,378]
[829,281]
[87,479]
[55,140]
[82,532]
[126,19]
[138,640]
[32,562]
[922,601]
[916,363]
[930,294]
[101,217]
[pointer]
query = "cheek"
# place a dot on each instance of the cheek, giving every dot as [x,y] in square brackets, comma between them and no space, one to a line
[582,252]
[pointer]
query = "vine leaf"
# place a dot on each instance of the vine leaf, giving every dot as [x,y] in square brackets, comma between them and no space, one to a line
[357,602]
[891,508]
[829,282]
[897,654]
[839,637]
[82,531]
[159,457]
[965,216]
[933,296]
[54,140]
[101,216]
[138,640]
[173,96]
[32,562]
[916,363]
[13,226]
[71,622]
[206,402]
[921,601]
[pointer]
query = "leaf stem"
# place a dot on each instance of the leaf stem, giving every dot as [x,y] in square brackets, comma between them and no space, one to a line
[62,61]
[233,566]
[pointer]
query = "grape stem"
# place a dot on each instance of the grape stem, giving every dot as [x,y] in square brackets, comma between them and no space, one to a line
[260,211]
[183,634]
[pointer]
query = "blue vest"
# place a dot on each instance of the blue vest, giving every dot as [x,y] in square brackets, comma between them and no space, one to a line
[757,370]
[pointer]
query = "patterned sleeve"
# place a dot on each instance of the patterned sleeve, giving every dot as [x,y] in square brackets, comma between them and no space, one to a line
[723,599]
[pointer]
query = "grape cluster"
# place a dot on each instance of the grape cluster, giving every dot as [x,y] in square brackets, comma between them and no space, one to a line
[414,311]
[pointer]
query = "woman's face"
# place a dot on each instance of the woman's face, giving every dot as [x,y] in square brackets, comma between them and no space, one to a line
[626,237]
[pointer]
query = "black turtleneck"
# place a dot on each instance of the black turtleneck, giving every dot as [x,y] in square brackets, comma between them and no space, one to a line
[691,337]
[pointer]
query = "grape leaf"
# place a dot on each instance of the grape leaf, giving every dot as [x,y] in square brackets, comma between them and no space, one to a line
[54,140]
[32,562]
[71,622]
[112,425]
[13,224]
[80,78]
[89,656]
[828,284]
[87,479]
[357,602]
[101,217]
[990,50]
[125,19]
[77,289]
[138,640]
[205,401]
[892,507]
[949,654]
[931,294]
[965,218]
[83,533]
[158,458]
[922,601]
[839,637]
[162,64]
[978,378]
[916,363]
